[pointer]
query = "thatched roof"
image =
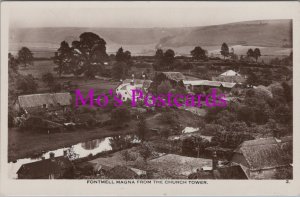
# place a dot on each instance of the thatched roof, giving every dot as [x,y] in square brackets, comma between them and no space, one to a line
[43,168]
[121,172]
[175,76]
[262,154]
[37,100]
[228,172]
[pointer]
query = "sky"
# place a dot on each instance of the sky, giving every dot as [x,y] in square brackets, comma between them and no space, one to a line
[138,14]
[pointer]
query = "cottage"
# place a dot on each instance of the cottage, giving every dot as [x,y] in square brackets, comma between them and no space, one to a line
[260,158]
[52,168]
[37,102]
[125,89]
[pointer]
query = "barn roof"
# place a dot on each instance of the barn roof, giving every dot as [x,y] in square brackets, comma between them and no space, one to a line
[176,76]
[230,73]
[45,167]
[209,83]
[262,153]
[35,100]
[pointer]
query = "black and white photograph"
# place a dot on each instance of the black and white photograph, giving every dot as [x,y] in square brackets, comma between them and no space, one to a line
[143,91]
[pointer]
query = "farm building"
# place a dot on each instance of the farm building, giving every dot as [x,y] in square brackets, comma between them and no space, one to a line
[205,85]
[125,89]
[261,158]
[175,79]
[52,168]
[39,102]
[230,76]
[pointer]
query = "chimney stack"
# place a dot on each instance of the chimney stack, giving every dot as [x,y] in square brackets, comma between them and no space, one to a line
[214,161]
[65,153]
[52,156]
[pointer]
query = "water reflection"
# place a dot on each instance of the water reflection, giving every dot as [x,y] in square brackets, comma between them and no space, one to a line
[79,150]
[90,145]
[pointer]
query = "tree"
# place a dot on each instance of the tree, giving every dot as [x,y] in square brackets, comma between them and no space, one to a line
[256,53]
[84,57]
[224,50]
[13,63]
[159,54]
[93,46]
[164,87]
[122,56]
[127,156]
[250,53]
[145,152]
[63,59]
[288,92]
[120,116]
[25,56]
[119,70]
[252,79]
[198,53]
[48,78]
[26,84]
[142,128]
[169,58]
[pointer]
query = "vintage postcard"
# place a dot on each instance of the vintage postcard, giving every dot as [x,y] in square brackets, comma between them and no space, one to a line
[149,98]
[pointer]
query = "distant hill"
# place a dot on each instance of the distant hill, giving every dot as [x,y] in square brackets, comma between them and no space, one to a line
[269,33]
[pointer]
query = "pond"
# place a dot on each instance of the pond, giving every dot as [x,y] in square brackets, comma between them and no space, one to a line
[79,150]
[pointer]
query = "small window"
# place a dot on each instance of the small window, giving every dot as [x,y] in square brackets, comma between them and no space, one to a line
[123,98]
[125,92]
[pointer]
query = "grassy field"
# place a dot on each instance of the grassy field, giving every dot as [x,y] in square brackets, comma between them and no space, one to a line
[38,68]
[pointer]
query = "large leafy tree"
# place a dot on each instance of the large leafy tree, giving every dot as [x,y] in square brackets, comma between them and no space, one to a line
[224,50]
[85,56]
[25,56]
[168,59]
[198,53]
[159,54]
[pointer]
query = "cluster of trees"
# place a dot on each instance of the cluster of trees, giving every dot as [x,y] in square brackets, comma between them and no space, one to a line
[25,57]
[254,53]
[164,60]
[84,56]
[261,112]
[20,84]
[287,61]
[123,63]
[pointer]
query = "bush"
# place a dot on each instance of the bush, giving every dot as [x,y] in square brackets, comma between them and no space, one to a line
[120,115]
[26,84]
